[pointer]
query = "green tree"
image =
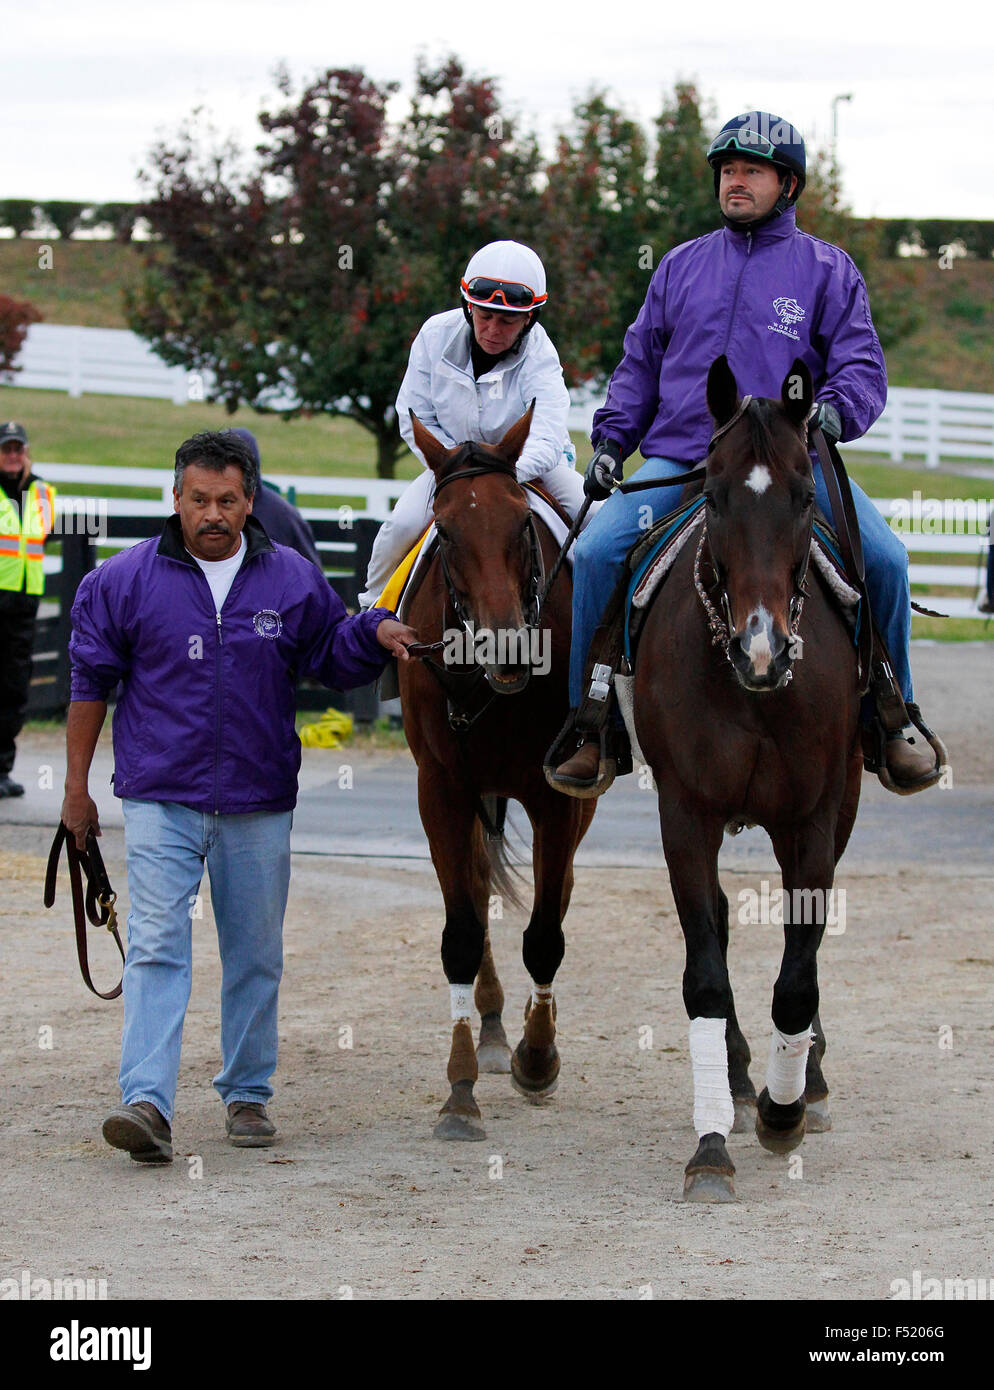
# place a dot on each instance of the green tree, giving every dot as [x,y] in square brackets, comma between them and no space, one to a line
[308,275]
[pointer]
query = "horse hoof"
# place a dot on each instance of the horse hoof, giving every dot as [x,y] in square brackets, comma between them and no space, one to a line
[459,1127]
[745,1117]
[706,1186]
[534,1088]
[494,1057]
[779,1128]
[819,1121]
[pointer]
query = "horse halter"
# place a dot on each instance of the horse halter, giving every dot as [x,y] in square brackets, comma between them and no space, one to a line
[536,577]
[721,627]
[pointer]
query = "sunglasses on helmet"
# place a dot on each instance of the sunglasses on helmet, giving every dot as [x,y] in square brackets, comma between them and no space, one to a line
[507,293]
[745,141]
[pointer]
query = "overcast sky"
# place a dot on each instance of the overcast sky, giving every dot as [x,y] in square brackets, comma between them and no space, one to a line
[87,88]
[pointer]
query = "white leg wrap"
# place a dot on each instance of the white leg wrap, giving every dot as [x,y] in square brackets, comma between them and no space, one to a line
[714,1112]
[788,1059]
[461,997]
[541,994]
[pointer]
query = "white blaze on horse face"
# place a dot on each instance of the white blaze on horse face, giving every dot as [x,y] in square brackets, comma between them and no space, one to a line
[759,479]
[714,1112]
[788,1061]
[757,640]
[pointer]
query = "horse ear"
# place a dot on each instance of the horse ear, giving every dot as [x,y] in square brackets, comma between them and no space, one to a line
[723,391]
[514,441]
[436,454]
[797,393]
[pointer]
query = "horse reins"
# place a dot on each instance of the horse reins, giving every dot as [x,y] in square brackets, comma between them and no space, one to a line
[98,902]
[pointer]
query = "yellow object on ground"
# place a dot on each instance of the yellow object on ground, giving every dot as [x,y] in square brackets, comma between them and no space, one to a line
[390,596]
[330,731]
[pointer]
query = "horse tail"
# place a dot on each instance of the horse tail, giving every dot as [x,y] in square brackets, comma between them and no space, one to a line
[504,875]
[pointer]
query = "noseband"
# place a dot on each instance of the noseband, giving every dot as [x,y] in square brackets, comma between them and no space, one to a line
[721,627]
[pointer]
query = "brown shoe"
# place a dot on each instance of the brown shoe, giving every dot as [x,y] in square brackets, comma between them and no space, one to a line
[140,1130]
[911,761]
[248,1126]
[585,774]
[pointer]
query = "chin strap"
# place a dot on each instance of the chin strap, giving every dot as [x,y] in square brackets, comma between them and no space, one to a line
[780,206]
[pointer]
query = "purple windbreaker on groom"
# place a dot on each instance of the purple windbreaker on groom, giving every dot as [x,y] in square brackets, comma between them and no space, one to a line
[762,298]
[205,714]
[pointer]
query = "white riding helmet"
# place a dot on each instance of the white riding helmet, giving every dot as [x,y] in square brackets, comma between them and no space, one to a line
[505,276]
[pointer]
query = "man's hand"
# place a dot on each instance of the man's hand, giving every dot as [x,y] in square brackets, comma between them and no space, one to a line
[79,815]
[603,472]
[396,637]
[825,417]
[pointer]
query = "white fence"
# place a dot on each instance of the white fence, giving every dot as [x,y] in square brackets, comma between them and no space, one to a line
[948,528]
[933,425]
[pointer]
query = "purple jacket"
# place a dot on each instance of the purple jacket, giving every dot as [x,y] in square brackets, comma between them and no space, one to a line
[761,298]
[206,711]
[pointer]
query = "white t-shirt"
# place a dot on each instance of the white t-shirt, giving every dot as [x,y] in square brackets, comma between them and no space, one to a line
[221,573]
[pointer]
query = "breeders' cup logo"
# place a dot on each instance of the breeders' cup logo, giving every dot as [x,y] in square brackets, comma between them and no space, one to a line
[789,312]
[268,623]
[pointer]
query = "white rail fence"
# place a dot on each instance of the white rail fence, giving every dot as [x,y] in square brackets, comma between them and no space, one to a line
[949,528]
[932,425]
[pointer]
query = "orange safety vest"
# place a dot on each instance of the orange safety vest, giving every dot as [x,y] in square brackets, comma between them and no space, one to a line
[22,538]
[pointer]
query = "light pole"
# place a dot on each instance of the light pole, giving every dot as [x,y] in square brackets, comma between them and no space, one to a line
[845,96]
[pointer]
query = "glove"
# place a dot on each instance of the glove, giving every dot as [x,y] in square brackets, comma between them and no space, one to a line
[603,472]
[826,418]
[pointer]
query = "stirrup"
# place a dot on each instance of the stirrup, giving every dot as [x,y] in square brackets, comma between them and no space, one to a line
[615,759]
[875,754]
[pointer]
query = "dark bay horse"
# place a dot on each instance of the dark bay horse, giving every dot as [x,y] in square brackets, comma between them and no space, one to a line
[479,720]
[737,727]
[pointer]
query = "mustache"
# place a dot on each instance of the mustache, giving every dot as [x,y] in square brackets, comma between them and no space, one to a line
[219,530]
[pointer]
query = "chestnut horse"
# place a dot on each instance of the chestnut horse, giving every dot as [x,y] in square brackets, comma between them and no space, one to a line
[737,728]
[478,722]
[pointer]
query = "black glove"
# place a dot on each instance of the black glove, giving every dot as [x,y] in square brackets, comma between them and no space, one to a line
[826,418]
[603,471]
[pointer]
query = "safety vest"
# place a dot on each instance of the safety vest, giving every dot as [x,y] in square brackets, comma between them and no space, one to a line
[22,538]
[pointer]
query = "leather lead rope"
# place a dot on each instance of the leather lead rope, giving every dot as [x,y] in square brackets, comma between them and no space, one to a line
[98,902]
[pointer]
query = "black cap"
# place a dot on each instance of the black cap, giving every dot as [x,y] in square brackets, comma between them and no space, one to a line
[10,429]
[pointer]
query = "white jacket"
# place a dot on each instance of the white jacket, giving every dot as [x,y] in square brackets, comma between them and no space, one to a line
[440,388]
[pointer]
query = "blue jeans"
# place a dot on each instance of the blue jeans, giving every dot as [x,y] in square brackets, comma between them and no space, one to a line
[601,548]
[248,860]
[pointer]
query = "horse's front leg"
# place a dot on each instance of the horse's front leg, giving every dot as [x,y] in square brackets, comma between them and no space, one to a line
[456,841]
[494,1051]
[739,1056]
[808,873]
[559,824]
[691,846]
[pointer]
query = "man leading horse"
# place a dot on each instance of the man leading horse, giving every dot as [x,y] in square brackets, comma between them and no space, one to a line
[761,293]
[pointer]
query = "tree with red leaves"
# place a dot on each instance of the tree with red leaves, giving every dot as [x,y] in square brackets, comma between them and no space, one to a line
[16,316]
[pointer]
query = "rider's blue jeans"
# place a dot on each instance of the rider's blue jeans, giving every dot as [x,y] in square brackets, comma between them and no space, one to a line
[248,860]
[601,548]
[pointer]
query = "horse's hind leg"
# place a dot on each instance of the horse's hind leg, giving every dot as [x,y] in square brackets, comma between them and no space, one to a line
[493,1053]
[739,1056]
[559,825]
[818,1119]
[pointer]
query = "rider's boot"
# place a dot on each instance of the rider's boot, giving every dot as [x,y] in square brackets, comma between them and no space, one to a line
[915,758]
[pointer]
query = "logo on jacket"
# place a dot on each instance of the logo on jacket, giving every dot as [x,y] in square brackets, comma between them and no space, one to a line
[268,623]
[789,312]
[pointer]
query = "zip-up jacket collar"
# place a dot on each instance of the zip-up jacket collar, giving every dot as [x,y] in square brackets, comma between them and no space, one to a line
[778,230]
[173,547]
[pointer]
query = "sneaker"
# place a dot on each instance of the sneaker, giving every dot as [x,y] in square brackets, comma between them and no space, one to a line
[8,787]
[141,1131]
[248,1126]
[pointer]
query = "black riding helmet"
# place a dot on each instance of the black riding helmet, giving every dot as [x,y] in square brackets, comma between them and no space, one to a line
[762,136]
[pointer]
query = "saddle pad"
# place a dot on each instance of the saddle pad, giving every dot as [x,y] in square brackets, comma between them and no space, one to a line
[655,561]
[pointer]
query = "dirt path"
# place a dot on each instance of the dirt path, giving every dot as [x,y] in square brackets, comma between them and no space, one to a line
[577,1198]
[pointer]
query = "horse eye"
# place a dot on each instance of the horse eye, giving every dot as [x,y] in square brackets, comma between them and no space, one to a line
[709,502]
[808,502]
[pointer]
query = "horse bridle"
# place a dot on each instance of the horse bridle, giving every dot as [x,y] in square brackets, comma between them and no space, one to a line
[721,627]
[536,578]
